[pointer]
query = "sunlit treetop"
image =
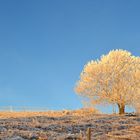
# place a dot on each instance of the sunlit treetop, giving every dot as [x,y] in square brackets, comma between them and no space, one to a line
[114,78]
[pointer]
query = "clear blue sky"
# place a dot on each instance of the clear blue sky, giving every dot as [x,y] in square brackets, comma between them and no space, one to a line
[44,45]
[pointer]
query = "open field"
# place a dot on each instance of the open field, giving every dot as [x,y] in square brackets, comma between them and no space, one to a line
[64,125]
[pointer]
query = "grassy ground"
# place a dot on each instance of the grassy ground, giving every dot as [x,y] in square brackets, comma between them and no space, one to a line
[62,125]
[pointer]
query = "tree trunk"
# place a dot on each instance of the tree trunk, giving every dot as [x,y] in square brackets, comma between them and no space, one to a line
[121,108]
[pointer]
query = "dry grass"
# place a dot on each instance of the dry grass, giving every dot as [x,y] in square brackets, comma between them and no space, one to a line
[80,112]
[60,125]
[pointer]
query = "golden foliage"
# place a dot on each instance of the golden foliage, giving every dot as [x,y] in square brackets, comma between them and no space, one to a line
[115,78]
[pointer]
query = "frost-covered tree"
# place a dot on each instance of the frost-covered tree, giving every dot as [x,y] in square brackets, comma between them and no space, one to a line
[136,103]
[114,79]
[137,106]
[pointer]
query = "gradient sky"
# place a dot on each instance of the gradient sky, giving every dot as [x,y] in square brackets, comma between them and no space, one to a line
[44,45]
